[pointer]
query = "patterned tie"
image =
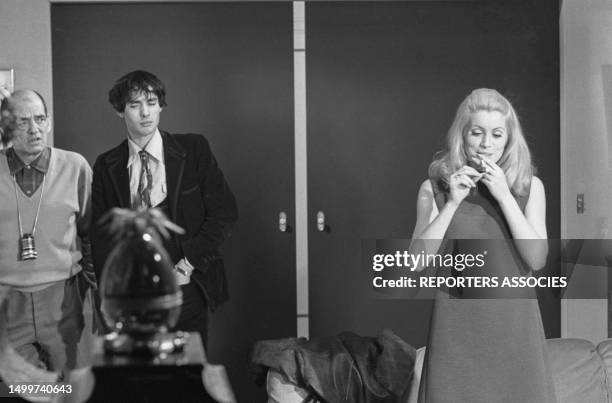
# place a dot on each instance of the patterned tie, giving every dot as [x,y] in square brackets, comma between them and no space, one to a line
[146,180]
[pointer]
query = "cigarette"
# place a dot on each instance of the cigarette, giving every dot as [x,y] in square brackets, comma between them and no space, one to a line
[480,164]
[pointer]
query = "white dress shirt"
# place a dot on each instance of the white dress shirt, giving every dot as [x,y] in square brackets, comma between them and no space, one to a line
[159,191]
[155,148]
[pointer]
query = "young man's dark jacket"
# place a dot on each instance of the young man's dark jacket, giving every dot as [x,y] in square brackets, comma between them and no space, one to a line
[199,200]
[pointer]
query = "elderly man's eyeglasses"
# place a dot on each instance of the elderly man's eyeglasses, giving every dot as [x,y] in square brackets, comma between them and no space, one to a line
[24,123]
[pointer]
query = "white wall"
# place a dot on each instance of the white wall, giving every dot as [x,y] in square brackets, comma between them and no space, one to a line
[586,45]
[25,32]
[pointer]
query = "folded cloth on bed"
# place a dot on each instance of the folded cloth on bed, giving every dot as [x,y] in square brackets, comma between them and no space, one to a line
[342,368]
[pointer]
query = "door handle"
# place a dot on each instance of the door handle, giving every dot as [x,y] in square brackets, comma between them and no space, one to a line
[321,226]
[282,222]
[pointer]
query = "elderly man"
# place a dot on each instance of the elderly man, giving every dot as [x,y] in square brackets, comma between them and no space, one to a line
[44,251]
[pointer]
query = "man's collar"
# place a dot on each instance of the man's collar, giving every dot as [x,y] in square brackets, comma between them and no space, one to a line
[155,148]
[41,163]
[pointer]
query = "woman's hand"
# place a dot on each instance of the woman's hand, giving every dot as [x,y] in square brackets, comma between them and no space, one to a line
[495,180]
[461,181]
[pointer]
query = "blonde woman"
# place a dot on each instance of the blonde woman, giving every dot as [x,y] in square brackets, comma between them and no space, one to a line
[486,344]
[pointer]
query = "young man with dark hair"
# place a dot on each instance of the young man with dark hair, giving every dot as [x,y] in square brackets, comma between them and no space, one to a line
[178,174]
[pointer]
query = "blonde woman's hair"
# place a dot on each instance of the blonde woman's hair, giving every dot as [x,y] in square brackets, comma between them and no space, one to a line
[516,158]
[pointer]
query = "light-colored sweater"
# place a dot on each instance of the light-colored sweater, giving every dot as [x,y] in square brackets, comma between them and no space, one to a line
[64,218]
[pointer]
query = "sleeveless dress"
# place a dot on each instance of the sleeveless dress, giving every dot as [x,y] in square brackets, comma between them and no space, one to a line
[485,350]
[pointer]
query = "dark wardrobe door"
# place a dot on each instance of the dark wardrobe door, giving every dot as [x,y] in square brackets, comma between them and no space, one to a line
[384,82]
[228,68]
